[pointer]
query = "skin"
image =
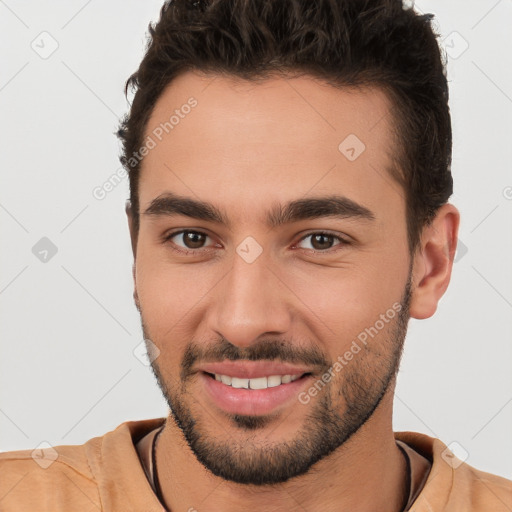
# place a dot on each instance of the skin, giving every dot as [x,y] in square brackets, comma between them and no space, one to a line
[244,147]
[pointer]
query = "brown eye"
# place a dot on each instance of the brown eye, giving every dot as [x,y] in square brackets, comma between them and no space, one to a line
[193,240]
[187,239]
[322,242]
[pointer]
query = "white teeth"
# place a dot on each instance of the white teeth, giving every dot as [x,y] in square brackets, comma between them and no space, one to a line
[274,380]
[239,383]
[226,379]
[258,383]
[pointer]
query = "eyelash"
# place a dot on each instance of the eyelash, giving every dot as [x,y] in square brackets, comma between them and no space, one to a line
[191,252]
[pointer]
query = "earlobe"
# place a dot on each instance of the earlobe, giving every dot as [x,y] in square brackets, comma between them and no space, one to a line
[433,262]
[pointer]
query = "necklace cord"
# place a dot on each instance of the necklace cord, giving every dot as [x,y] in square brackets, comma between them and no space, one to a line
[409,482]
[156,482]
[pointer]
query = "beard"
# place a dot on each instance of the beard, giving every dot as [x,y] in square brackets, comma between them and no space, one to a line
[254,461]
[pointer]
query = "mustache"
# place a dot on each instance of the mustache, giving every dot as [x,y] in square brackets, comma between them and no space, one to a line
[267,350]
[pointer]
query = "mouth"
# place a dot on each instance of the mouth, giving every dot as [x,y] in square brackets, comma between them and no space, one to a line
[264,382]
[251,390]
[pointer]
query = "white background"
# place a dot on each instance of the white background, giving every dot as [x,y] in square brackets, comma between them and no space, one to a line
[69,326]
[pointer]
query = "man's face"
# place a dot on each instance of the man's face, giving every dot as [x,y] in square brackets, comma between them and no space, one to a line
[271,291]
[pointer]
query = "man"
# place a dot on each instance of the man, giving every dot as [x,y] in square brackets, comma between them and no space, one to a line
[289,176]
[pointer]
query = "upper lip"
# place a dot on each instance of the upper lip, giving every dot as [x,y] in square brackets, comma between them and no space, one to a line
[252,369]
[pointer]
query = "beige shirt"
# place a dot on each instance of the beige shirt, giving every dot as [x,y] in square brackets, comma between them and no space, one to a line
[106,474]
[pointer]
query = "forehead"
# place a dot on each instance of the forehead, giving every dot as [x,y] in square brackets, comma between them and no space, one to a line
[231,141]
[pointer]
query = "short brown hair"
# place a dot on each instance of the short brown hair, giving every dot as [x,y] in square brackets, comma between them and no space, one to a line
[346,43]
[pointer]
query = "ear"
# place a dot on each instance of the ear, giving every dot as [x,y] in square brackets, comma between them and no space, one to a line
[133,237]
[131,226]
[433,262]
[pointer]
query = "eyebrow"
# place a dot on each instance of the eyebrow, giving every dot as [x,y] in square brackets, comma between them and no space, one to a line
[170,204]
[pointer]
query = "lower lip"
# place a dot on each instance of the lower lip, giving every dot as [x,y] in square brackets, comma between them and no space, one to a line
[251,401]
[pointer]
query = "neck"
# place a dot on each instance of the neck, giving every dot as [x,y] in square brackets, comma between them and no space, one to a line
[367,473]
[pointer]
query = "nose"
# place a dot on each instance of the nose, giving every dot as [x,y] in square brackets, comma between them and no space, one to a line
[249,302]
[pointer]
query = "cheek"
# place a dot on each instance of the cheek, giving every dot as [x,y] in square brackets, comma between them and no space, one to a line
[170,295]
[341,304]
